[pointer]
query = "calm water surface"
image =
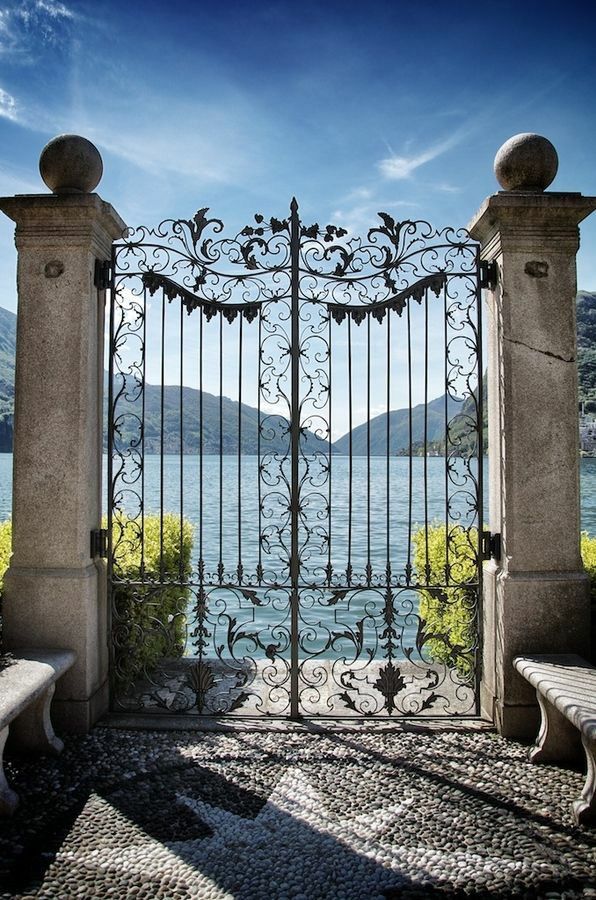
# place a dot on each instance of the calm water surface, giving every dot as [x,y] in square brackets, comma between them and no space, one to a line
[358,548]
[398,479]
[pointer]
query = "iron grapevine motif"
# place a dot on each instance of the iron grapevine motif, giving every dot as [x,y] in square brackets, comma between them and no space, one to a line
[335,639]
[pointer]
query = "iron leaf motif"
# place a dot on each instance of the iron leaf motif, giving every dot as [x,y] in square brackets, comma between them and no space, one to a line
[389,683]
[311,232]
[238,701]
[278,225]
[201,680]
[252,596]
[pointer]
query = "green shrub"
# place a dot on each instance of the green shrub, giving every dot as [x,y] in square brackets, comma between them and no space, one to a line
[448,614]
[5,552]
[588,550]
[149,621]
[148,618]
[5,548]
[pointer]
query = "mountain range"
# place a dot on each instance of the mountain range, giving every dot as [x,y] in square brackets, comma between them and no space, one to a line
[8,338]
[586,349]
[275,439]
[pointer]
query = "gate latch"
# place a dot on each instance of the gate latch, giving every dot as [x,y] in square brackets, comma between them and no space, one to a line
[101,277]
[488,274]
[491,546]
[99,543]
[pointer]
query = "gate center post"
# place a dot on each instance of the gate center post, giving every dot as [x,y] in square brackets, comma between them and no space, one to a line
[294,451]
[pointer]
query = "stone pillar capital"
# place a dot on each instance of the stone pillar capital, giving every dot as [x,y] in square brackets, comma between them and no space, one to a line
[522,221]
[52,220]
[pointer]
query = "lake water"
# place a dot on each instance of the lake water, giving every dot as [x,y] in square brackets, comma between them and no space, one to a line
[587,475]
[342,641]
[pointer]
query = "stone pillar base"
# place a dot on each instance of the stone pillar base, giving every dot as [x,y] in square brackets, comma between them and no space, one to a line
[536,612]
[79,716]
[66,608]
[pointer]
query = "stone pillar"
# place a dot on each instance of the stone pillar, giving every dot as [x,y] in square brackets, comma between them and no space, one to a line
[55,592]
[536,597]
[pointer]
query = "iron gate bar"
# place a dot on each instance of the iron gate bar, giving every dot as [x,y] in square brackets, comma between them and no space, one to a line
[404,243]
[220,566]
[294,450]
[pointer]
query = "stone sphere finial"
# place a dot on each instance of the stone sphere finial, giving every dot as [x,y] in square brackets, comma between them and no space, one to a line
[71,164]
[526,162]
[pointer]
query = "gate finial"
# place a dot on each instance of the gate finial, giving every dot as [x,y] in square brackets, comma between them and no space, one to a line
[70,164]
[526,162]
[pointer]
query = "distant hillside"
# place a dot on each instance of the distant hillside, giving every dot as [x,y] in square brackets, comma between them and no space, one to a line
[399,429]
[462,438]
[586,349]
[8,336]
[274,436]
[277,427]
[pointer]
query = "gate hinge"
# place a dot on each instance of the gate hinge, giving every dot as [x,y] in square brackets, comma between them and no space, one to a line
[101,278]
[99,543]
[491,546]
[488,274]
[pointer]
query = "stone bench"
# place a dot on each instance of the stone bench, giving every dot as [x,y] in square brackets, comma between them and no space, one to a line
[26,690]
[566,691]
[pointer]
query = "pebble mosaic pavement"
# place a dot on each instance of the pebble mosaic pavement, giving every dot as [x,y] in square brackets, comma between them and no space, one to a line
[294,815]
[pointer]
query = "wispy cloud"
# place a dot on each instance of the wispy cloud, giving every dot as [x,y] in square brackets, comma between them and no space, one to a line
[446,188]
[23,26]
[55,10]
[359,217]
[216,153]
[396,167]
[360,193]
[8,106]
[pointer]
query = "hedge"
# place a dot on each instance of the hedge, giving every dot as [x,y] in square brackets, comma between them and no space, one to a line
[588,550]
[5,551]
[5,548]
[149,621]
[448,614]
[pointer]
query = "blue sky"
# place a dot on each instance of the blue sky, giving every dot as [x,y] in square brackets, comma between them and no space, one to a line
[354,108]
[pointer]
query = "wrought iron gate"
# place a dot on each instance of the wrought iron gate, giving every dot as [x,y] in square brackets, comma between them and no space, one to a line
[295,469]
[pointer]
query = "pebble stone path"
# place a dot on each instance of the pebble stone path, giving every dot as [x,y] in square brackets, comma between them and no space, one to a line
[299,814]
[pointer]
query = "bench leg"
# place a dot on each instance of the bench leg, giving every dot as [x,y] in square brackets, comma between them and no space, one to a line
[32,730]
[8,799]
[558,740]
[584,809]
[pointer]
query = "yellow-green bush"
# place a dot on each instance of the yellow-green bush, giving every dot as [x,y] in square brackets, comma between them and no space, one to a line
[149,617]
[449,613]
[5,551]
[588,549]
[149,621]
[5,548]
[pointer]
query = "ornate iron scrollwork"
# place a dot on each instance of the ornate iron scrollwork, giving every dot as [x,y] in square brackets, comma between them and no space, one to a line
[296,619]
